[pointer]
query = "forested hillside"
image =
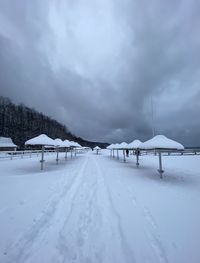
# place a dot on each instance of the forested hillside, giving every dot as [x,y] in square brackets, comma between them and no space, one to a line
[22,123]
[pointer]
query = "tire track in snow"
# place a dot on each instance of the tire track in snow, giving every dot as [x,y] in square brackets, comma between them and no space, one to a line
[150,228]
[125,248]
[154,236]
[147,223]
[22,249]
[99,235]
[77,245]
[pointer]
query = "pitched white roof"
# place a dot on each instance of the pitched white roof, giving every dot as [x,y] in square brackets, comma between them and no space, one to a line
[77,144]
[42,139]
[59,143]
[117,146]
[161,142]
[123,145]
[134,145]
[97,148]
[109,146]
[66,143]
[73,144]
[6,142]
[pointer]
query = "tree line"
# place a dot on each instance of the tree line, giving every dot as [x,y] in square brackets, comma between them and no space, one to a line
[22,123]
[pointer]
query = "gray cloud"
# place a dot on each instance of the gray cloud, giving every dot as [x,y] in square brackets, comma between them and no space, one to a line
[94,65]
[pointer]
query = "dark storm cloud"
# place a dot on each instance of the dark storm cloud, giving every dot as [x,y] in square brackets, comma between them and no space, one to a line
[94,65]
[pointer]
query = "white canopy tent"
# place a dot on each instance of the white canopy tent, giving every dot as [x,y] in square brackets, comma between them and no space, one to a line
[77,146]
[116,147]
[97,148]
[134,144]
[110,147]
[158,144]
[67,146]
[6,144]
[41,140]
[74,146]
[58,144]
[123,146]
[161,143]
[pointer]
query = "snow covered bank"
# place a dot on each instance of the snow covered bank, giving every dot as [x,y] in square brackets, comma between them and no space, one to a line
[97,209]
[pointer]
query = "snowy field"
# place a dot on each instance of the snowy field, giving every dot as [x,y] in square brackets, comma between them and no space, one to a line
[94,208]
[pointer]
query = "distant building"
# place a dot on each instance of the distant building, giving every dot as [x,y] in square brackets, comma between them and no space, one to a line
[6,144]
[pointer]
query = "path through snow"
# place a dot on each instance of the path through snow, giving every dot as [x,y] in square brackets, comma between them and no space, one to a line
[100,215]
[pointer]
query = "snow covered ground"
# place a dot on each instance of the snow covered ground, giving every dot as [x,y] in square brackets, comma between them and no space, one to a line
[94,208]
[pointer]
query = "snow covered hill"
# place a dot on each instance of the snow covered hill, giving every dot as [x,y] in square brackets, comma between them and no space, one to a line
[94,208]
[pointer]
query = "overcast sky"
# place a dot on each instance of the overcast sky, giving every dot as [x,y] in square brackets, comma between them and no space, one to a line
[94,65]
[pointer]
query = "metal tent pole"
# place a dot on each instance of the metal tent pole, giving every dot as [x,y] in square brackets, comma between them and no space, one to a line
[124,156]
[137,159]
[42,158]
[57,156]
[66,154]
[160,170]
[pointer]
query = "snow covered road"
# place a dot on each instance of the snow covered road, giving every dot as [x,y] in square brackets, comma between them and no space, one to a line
[96,209]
